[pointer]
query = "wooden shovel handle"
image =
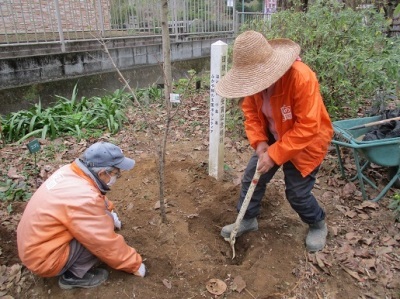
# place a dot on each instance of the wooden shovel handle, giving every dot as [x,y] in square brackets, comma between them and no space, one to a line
[243,209]
[374,123]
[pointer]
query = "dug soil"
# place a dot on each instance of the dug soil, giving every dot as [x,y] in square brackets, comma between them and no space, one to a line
[182,255]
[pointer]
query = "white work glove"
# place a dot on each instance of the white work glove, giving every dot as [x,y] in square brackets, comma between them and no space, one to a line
[141,271]
[117,222]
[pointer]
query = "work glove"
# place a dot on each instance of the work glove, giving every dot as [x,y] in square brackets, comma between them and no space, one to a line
[141,271]
[117,222]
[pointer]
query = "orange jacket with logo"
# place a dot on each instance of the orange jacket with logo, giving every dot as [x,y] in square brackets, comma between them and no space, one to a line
[69,205]
[301,120]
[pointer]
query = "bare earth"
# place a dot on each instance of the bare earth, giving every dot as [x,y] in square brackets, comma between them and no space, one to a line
[361,259]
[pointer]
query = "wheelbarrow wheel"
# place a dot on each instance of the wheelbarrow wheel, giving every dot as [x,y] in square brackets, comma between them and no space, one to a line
[391,174]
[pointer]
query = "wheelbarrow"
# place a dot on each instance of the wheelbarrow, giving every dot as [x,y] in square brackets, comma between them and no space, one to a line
[383,152]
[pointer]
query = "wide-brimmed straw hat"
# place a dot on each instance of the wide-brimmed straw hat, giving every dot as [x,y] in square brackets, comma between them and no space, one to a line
[257,64]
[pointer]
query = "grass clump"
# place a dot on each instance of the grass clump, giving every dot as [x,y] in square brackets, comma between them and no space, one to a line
[71,117]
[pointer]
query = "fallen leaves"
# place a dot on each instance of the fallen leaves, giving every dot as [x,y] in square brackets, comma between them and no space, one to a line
[216,286]
[352,273]
[238,284]
[167,283]
[12,280]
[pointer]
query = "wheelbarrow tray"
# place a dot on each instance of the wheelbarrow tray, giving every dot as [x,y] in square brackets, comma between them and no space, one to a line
[382,152]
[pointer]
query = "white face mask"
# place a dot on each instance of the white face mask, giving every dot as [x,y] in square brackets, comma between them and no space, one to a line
[113,179]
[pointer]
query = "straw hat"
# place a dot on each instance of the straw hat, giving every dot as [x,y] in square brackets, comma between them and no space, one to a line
[257,64]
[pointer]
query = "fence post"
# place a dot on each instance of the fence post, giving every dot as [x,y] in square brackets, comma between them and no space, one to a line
[59,25]
[101,18]
[218,67]
[237,22]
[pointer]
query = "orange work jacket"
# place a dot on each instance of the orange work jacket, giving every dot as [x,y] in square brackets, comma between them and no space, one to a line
[302,122]
[69,205]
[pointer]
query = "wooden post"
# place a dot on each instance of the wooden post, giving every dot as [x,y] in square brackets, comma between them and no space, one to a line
[219,53]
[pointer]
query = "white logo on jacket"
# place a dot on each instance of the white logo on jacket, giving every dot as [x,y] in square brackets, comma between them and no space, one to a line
[286,112]
[53,180]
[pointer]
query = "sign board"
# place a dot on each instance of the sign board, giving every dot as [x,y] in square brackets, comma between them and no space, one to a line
[174,98]
[219,53]
[33,146]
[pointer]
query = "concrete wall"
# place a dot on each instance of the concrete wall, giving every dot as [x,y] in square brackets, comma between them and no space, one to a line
[24,97]
[88,58]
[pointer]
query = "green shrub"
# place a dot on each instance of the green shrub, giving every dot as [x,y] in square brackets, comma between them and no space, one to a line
[395,206]
[68,117]
[347,49]
[150,95]
[14,191]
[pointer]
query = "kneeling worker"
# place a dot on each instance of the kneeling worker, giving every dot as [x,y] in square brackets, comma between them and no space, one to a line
[67,228]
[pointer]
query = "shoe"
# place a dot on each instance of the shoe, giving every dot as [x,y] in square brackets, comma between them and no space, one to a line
[316,238]
[247,225]
[92,278]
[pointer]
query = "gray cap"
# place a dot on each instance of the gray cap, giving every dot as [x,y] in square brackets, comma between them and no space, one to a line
[105,154]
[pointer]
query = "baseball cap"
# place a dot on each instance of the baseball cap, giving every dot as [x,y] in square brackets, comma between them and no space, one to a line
[105,154]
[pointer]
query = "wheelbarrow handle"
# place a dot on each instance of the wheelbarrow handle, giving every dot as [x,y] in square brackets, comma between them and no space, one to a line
[374,123]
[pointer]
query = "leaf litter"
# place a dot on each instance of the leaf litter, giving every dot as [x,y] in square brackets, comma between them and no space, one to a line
[363,248]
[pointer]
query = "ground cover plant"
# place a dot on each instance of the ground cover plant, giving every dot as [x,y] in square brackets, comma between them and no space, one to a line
[77,117]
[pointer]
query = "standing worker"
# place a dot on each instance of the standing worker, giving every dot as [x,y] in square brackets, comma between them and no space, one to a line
[67,227]
[286,123]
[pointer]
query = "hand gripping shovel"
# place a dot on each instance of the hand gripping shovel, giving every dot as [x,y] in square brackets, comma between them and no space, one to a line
[242,211]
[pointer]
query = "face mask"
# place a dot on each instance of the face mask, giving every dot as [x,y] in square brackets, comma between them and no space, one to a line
[113,179]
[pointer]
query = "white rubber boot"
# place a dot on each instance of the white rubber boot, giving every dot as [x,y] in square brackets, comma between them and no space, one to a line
[247,225]
[316,238]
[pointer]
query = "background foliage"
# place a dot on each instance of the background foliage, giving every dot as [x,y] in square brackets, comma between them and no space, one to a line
[348,49]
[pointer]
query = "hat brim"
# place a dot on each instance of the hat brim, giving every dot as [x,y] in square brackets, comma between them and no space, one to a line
[251,79]
[126,164]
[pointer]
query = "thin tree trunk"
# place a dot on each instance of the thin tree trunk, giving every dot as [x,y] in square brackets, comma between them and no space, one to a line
[167,90]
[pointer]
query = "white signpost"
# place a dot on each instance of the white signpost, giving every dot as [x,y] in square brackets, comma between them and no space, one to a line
[218,68]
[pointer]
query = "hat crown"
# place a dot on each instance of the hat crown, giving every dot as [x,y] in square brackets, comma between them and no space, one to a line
[257,64]
[105,154]
[251,48]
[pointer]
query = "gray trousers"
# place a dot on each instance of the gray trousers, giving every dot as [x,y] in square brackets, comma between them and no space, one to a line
[298,191]
[80,260]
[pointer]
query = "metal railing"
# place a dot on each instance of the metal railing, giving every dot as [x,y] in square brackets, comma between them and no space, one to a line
[247,18]
[56,21]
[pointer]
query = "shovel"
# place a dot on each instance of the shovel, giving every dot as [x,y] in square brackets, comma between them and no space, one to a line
[242,211]
[374,123]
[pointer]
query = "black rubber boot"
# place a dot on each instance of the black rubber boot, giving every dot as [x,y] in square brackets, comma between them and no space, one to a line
[92,278]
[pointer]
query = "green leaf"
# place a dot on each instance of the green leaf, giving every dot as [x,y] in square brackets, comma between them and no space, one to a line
[33,133]
[396,10]
[32,123]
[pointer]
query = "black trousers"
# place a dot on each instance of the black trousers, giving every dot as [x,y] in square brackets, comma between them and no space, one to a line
[298,191]
[80,260]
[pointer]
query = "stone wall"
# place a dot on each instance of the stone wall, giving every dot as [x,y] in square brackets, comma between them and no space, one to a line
[31,16]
